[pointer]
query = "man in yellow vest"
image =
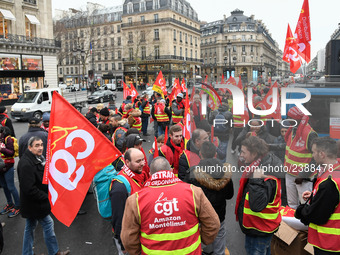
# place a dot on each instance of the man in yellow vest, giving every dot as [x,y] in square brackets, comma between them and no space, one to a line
[298,156]
[168,215]
[322,211]
[259,197]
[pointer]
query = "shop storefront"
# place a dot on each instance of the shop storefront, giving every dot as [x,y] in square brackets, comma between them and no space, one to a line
[18,73]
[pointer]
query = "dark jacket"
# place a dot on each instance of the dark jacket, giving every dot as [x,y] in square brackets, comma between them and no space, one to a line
[33,194]
[260,194]
[216,185]
[92,118]
[224,110]
[8,123]
[32,131]
[184,168]
[279,147]
[263,134]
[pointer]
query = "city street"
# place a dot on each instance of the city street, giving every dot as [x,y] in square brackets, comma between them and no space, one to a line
[89,233]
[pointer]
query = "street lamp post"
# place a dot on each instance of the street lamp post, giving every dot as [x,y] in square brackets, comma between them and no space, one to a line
[185,69]
[261,70]
[80,54]
[225,66]
[234,61]
[211,70]
[229,46]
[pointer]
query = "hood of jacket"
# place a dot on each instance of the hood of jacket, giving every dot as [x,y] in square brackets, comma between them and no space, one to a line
[223,108]
[211,177]
[135,113]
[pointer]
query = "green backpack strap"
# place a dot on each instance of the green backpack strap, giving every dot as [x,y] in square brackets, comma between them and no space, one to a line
[123,180]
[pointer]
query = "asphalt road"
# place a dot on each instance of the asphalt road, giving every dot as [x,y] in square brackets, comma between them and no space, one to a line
[89,233]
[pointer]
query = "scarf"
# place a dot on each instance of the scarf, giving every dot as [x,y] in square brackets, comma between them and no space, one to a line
[197,110]
[243,181]
[139,179]
[177,153]
[4,114]
[162,178]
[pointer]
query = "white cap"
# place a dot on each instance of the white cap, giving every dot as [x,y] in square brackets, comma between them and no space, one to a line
[180,95]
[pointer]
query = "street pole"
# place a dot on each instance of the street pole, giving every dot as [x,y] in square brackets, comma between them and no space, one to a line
[229,45]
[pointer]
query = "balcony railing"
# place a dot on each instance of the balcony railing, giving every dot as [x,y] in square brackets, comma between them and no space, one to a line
[29,41]
[164,20]
[167,57]
[30,1]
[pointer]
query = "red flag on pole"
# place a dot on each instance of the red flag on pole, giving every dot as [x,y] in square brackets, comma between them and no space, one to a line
[290,54]
[159,85]
[176,88]
[156,153]
[302,32]
[126,90]
[206,79]
[76,151]
[268,102]
[222,81]
[133,92]
[187,121]
[166,134]
[183,86]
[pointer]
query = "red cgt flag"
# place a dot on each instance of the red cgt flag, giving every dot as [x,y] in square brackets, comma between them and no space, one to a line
[159,86]
[290,54]
[184,86]
[187,121]
[133,92]
[76,151]
[302,32]
[126,90]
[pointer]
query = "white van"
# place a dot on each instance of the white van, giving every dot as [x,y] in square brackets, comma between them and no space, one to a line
[34,103]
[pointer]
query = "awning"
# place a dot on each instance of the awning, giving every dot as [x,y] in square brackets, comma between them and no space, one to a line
[33,19]
[7,14]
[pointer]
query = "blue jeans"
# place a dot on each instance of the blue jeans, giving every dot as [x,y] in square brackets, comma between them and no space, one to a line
[161,131]
[145,123]
[155,127]
[49,235]
[7,182]
[258,245]
[223,146]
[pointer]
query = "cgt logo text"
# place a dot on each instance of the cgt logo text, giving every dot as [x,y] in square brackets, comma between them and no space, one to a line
[165,206]
[239,100]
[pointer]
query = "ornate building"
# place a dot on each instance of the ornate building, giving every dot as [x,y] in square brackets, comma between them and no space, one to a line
[240,45]
[28,51]
[91,45]
[160,35]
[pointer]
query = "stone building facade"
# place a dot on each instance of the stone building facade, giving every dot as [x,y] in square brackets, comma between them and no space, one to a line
[91,46]
[160,35]
[28,50]
[240,46]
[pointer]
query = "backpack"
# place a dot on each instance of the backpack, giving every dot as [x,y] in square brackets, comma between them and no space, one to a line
[101,189]
[15,145]
[218,126]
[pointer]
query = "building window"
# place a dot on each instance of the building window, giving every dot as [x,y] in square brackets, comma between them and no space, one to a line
[99,67]
[76,70]
[119,54]
[186,38]
[113,66]
[60,71]
[143,52]
[243,48]
[234,48]
[190,39]
[142,19]
[67,61]
[142,6]
[195,41]
[190,53]
[195,54]
[67,70]
[174,34]
[105,30]
[112,55]
[156,34]
[180,36]
[156,52]
[119,41]
[156,18]
[99,56]
[112,41]
[131,54]
[118,28]
[106,56]
[106,67]
[105,42]
[130,36]
[186,53]
[30,29]
[142,36]
[119,66]
[243,37]
[112,29]
[130,21]
[175,51]
[251,48]
[180,52]
[71,70]
[129,7]
[155,4]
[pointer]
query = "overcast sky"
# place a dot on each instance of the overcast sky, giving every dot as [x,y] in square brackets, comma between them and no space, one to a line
[275,14]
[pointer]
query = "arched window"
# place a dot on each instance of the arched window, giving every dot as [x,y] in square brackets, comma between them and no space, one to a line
[142,6]
[130,7]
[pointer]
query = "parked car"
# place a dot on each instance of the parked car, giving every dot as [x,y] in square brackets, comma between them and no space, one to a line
[101,96]
[120,86]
